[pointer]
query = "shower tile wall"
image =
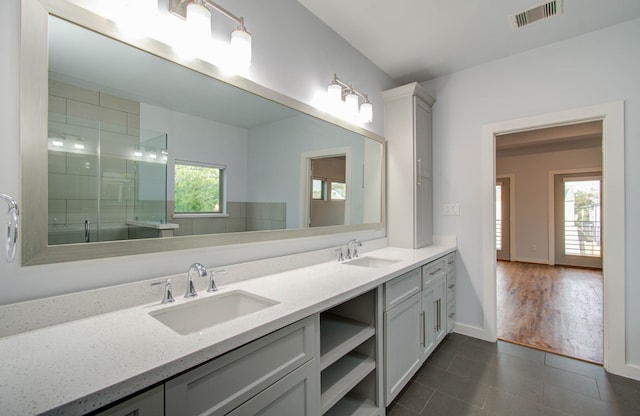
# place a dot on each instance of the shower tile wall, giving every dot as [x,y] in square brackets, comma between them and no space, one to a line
[77,176]
[242,216]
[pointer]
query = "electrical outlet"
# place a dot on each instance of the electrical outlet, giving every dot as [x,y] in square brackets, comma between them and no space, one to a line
[534,248]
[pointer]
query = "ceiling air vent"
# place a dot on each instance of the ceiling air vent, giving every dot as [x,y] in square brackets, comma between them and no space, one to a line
[525,18]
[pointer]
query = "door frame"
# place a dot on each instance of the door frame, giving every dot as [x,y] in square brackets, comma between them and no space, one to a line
[551,208]
[512,211]
[304,204]
[612,115]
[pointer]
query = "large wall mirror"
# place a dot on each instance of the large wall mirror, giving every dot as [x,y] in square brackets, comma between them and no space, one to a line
[129,149]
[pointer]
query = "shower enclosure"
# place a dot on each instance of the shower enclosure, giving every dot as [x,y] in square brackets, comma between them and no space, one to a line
[107,177]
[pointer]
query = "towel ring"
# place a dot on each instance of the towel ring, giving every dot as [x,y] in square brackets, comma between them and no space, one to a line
[12,228]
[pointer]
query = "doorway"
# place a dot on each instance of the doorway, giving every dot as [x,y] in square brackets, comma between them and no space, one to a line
[613,241]
[534,308]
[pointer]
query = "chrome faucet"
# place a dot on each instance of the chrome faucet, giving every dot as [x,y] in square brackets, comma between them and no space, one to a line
[352,248]
[201,271]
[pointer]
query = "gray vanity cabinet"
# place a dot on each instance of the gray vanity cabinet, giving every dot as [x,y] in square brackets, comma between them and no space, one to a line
[415,322]
[279,369]
[402,331]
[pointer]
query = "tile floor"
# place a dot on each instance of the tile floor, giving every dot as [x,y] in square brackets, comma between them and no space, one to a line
[467,376]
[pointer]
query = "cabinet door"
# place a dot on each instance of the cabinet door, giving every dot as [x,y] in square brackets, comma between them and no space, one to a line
[294,394]
[440,300]
[424,185]
[428,321]
[149,403]
[402,337]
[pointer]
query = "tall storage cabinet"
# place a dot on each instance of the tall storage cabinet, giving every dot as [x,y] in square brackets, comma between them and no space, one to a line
[407,122]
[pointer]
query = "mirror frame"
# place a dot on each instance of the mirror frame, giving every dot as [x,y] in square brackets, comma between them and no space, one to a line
[34,153]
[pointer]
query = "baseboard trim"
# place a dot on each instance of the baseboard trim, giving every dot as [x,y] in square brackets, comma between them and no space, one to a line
[535,261]
[473,332]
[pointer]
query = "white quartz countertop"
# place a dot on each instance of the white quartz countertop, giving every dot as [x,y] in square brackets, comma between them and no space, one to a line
[79,366]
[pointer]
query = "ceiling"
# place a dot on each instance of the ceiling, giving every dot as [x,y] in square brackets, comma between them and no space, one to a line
[417,40]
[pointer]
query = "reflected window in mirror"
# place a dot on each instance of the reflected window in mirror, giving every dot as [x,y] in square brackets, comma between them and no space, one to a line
[318,188]
[338,191]
[199,188]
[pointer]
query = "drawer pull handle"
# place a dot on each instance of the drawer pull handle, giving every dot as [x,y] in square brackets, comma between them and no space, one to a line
[423,332]
[452,314]
[435,271]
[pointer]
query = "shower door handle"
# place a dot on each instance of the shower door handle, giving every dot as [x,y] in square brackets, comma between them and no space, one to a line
[87,230]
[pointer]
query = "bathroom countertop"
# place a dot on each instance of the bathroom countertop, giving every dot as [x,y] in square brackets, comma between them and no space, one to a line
[79,366]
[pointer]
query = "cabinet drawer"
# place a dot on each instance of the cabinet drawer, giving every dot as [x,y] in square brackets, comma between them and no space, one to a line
[450,262]
[432,271]
[451,286]
[401,288]
[222,384]
[293,395]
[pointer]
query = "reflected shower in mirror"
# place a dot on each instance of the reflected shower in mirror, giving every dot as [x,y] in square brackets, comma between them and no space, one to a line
[140,147]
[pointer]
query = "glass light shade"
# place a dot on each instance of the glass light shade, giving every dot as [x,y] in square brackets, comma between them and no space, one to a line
[241,48]
[351,102]
[366,112]
[199,19]
[334,91]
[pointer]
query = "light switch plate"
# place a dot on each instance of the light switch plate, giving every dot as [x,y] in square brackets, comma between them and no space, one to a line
[451,209]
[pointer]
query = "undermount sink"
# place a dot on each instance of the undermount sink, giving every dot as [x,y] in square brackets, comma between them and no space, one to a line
[374,262]
[196,315]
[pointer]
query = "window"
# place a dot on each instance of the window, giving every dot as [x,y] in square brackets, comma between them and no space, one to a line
[199,188]
[582,217]
[338,191]
[318,188]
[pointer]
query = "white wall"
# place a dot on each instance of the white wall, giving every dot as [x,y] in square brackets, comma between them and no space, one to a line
[531,192]
[196,139]
[595,68]
[285,141]
[294,54]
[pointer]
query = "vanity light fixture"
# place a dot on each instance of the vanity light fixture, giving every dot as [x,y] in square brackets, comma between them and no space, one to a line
[342,94]
[197,13]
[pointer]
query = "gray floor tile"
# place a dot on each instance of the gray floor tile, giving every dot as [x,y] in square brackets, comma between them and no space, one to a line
[465,376]
[415,397]
[444,405]
[580,405]
[503,403]
[519,351]
[572,381]
[621,390]
[463,388]
[441,358]
[396,409]
[574,366]
[501,377]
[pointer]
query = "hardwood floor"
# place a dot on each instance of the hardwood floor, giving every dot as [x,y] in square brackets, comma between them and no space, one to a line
[552,308]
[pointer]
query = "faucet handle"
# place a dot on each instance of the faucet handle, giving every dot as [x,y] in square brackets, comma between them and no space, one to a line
[340,254]
[212,284]
[167,297]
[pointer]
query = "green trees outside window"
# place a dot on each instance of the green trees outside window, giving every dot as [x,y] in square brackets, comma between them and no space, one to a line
[198,188]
